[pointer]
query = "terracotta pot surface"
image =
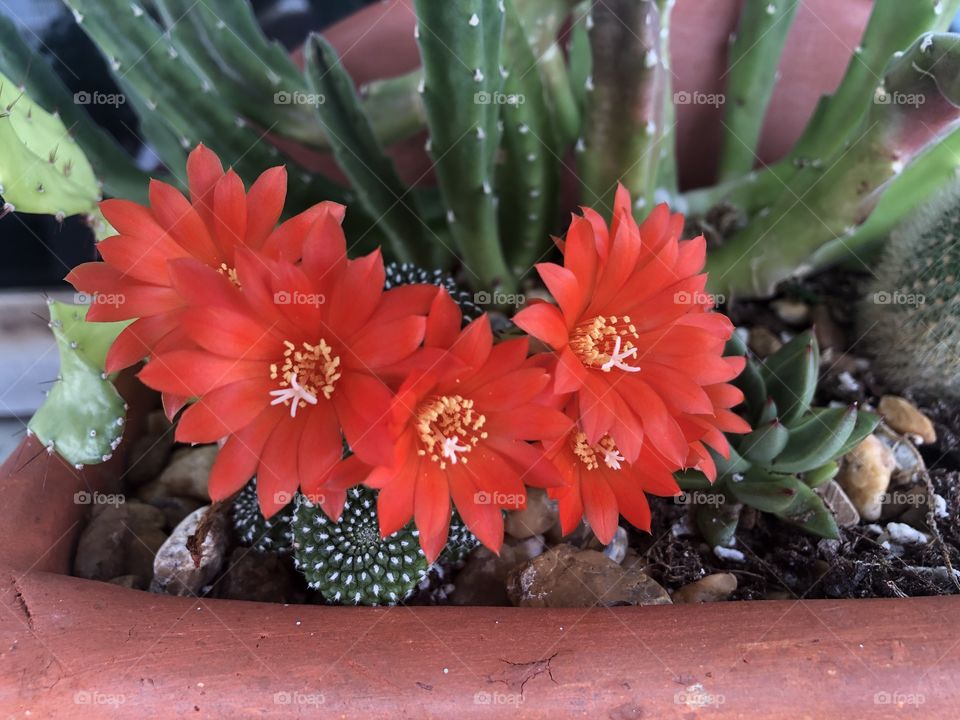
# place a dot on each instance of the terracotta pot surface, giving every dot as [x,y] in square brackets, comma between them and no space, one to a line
[378,42]
[72,648]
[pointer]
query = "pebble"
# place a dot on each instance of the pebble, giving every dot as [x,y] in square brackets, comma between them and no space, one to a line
[185,476]
[483,579]
[837,501]
[725,553]
[175,509]
[712,588]
[257,576]
[762,342]
[565,577]
[175,571]
[119,540]
[793,312]
[150,452]
[903,534]
[536,518]
[826,330]
[617,549]
[865,476]
[904,417]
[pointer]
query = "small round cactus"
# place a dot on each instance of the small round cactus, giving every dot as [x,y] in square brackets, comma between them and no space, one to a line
[348,561]
[409,274]
[253,529]
[910,318]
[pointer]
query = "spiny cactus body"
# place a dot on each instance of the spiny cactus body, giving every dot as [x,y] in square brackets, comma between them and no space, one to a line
[792,449]
[348,561]
[253,529]
[910,317]
[82,418]
[406,274]
[42,169]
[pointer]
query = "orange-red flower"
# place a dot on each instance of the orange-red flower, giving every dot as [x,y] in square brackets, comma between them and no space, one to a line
[283,366]
[638,348]
[461,431]
[134,280]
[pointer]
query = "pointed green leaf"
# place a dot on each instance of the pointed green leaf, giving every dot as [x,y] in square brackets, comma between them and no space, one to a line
[866,423]
[807,511]
[765,491]
[718,523]
[764,443]
[790,375]
[816,440]
[818,476]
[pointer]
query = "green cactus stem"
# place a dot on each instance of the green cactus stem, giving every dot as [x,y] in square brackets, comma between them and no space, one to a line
[24,66]
[42,169]
[792,449]
[921,181]
[893,27]
[358,153]
[625,113]
[528,168]
[910,317]
[83,417]
[158,69]
[252,529]
[754,58]
[464,131]
[918,103]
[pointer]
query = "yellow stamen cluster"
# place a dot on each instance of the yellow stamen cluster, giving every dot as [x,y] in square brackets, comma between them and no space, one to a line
[595,341]
[314,367]
[448,425]
[590,456]
[230,272]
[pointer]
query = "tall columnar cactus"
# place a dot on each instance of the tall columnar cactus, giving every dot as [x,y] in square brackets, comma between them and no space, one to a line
[83,417]
[916,104]
[459,44]
[910,317]
[627,102]
[792,449]
[42,169]
[754,57]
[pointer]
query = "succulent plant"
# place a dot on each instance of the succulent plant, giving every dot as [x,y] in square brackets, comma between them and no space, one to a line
[42,169]
[83,417]
[348,561]
[252,529]
[792,450]
[910,317]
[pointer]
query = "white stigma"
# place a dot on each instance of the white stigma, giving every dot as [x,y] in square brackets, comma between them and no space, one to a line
[617,358]
[612,459]
[451,446]
[295,393]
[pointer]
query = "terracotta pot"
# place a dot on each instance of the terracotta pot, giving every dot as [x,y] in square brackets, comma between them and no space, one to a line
[378,42]
[72,648]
